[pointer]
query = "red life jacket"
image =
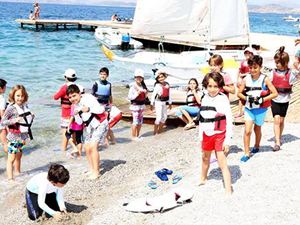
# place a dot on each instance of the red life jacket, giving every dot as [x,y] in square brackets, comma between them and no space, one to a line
[282,82]
[64,101]
[254,92]
[219,119]
[140,99]
[165,92]
[244,67]
[95,119]
[191,100]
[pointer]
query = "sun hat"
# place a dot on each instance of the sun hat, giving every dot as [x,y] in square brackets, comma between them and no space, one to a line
[70,73]
[158,72]
[249,49]
[139,73]
[298,53]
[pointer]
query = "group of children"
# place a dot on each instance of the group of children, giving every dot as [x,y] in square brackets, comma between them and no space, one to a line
[257,91]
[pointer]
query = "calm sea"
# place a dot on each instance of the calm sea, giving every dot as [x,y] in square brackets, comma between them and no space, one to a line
[39,59]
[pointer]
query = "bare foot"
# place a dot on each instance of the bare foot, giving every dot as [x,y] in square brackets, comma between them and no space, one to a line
[88,173]
[93,176]
[11,180]
[202,182]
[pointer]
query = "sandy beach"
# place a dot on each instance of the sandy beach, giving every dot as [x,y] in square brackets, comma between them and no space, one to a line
[265,189]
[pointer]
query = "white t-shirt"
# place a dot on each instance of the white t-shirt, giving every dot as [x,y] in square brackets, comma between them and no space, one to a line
[133,94]
[2,102]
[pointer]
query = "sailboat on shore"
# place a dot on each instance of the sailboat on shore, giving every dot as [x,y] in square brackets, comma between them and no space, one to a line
[203,20]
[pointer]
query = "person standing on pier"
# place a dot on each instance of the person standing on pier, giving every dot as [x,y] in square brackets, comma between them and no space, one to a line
[37,11]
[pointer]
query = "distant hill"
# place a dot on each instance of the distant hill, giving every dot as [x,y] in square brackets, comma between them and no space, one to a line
[273,8]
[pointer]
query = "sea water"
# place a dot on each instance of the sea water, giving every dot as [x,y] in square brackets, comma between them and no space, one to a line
[38,59]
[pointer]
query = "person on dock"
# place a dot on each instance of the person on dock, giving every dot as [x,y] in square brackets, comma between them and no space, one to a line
[93,115]
[31,17]
[37,11]
[256,92]
[215,127]
[282,78]
[3,131]
[70,77]
[44,193]
[216,64]
[19,119]
[102,91]
[160,99]
[137,96]
[243,71]
[193,100]
[297,61]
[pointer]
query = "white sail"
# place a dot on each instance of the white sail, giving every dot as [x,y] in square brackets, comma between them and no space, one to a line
[213,19]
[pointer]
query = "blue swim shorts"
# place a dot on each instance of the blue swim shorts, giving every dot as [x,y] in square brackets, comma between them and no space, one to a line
[256,115]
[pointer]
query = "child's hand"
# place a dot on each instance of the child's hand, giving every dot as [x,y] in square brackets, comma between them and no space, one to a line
[169,107]
[194,91]
[57,216]
[64,211]
[19,119]
[145,91]
[68,130]
[226,149]
[75,112]
[85,109]
[33,115]
[151,107]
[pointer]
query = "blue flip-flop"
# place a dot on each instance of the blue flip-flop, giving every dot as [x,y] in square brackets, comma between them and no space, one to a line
[168,172]
[152,184]
[245,158]
[176,179]
[161,174]
[254,150]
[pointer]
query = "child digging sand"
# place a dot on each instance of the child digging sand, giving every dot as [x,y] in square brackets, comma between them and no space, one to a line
[215,129]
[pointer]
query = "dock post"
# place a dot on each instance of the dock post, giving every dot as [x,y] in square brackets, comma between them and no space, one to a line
[65,26]
[79,26]
[21,25]
[36,26]
[43,26]
[57,26]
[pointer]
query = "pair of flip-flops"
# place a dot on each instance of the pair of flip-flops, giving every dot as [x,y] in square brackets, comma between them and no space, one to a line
[162,174]
[176,179]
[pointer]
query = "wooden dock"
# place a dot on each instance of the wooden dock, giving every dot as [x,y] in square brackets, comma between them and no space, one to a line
[293,114]
[92,24]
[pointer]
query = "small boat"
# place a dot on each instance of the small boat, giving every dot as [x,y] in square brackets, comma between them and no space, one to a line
[116,39]
[291,19]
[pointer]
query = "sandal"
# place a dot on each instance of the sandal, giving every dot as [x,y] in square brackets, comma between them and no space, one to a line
[176,179]
[152,184]
[168,172]
[276,148]
[161,174]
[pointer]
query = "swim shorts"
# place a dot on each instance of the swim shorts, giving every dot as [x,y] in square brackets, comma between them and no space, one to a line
[16,146]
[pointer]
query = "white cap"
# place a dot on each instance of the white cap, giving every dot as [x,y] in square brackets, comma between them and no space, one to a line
[139,73]
[249,49]
[70,73]
[158,72]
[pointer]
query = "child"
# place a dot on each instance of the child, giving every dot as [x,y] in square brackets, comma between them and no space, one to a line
[137,95]
[70,78]
[296,65]
[282,78]
[74,130]
[31,17]
[19,119]
[193,101]
[243,71]
[102,91]
[93,115]
[254,91]
[44,193]
[216,127]
[216,65]
[3,131]
[161,98]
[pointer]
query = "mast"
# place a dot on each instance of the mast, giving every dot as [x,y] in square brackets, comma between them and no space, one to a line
[209,25]
[247,21]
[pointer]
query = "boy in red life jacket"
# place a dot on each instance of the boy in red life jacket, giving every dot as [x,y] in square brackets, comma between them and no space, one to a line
[256,91]
[89,111]
[70,78]
[282,78]
[243,71]
[215,127]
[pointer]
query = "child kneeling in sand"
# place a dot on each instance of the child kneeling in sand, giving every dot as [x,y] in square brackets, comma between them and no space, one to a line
[92,114]
[44,193]
[215,129]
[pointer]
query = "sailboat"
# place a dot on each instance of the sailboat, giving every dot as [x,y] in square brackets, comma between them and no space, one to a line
[203,20]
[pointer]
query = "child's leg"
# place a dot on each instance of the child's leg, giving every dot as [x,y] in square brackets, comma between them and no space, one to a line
[3,134]
[33,209]
[111,135]
[225,171]
[205,166]
[133,131]
[277,128]
[160,128]
[134,124]
[257,131]
[163,118]
[140,122]
[138,129]
[51,201]
[94,159]
[180,115]
[79,147]
[187,116]
[64,140]
[247,136]
[18,163]
[155,129]
[11,157]
[281,128]
[87,150]
[159,112]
